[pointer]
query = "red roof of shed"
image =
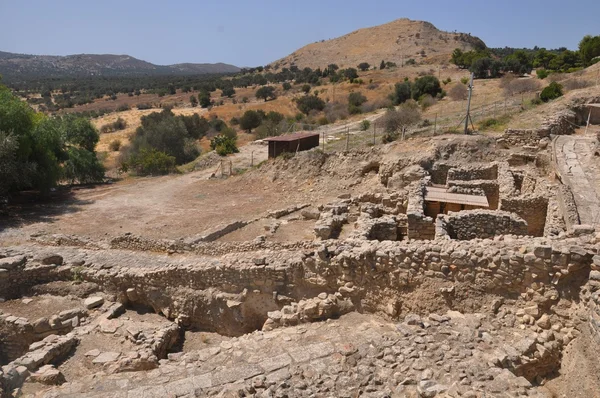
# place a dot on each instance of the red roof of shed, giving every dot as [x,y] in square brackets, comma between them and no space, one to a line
[293,137]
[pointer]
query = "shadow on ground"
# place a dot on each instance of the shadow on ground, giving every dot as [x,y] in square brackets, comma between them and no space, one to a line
[31,207]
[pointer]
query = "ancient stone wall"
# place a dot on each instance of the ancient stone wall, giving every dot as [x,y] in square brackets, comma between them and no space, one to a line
[419,226]
[532,209]
[526,137]
[472,224]
[489,187]
[439,173]
[474,172]
[233,294]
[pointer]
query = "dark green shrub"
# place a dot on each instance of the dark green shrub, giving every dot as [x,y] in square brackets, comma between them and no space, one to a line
[542,73]
[553,91]
[305,88]
[286,86]
[150,161]
[310,102]
[365,125]
[426,85]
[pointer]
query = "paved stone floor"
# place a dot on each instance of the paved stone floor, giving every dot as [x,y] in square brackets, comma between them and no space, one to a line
[454,355]
[581,171]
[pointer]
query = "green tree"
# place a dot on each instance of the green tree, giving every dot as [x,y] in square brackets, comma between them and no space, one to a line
[363,66]
[382,64]
[589,48]
[355,100]
[265,93]
[402,92]
[350,74]
[286,86]
[204,99]
[228,91]
[426,85]
[308,103]
[306,88]
[250,120]
[193,101]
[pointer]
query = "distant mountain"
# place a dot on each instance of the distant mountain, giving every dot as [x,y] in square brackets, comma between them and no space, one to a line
[396,41]
[23,66]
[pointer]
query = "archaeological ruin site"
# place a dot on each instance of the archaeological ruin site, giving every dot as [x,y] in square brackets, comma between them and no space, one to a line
[452,266]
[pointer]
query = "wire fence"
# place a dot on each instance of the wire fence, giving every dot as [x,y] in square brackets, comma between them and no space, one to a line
[446,118]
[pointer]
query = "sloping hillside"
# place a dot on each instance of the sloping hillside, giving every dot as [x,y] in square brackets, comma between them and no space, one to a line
[15,66]
[394,41]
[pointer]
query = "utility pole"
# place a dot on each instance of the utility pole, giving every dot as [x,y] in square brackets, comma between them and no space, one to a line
[347,137]
[374,128]
[468,116]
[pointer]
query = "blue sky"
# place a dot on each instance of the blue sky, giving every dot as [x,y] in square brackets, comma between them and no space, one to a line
[250,33]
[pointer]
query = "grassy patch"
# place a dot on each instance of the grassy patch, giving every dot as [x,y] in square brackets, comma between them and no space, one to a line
[494,124]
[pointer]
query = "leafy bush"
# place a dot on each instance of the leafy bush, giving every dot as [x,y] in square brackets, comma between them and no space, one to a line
[193,101]
[144,106]
[553,91]
[363,66]
[114,145]
[310,102]
[410,61]
[355,100]
[119,124]
[224,145]
[542,73]
[286,86]
[365,125]
[464,80]
[123,108]
[426,85]
[204,99]
[150,161]
[305,88]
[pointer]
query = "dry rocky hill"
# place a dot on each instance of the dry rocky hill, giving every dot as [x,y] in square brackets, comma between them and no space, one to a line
[394,41]
[23,65]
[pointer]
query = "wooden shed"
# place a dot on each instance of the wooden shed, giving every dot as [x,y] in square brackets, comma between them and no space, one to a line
[292,143]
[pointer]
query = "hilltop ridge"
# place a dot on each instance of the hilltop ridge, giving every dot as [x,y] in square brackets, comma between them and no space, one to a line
[395,41]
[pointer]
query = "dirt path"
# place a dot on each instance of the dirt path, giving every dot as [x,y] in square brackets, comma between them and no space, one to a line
[581,171]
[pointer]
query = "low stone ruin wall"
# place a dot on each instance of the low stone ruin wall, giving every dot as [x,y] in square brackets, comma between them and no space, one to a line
[419,226]
[474,172]
[527,137]
[489,187]
[233,294]
[532,209]
[16,334]
[472,224]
